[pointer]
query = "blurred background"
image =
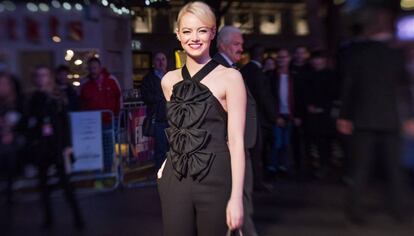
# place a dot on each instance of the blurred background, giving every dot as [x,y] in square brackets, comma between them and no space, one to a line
[125,34]
[108,178]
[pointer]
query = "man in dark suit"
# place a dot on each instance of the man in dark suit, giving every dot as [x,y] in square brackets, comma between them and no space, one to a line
[155,101]
[375,99]
[230,48]
[259,85]
[300,71]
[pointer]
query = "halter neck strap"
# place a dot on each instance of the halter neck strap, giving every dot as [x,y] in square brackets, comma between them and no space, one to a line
[203,72]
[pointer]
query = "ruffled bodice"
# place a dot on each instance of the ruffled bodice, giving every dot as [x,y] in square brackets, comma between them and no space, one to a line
[198,125]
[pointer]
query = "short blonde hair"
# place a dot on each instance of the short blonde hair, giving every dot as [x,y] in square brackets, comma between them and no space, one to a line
[200,10]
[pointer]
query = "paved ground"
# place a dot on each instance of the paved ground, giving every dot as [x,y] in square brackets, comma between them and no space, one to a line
[292,209]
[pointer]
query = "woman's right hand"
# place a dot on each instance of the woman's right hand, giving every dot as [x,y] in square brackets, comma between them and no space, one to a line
[159,173]
[234,213]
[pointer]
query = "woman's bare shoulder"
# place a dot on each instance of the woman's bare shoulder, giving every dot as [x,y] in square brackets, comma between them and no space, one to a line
[171,78]
[230,74]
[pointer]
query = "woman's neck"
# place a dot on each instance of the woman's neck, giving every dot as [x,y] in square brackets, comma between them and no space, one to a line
[195,64]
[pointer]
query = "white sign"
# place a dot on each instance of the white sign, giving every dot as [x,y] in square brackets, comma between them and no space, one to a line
[87,140]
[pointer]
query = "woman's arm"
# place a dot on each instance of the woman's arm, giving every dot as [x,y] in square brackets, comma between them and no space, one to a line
[236,108]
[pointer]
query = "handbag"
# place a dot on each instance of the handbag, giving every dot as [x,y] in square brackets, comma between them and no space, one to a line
[148,126]
[234,232]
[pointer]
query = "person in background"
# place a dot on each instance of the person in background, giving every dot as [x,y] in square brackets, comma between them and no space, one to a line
[48,137]
[154,99]
[282,87]
[300,70]
[230,48]
[320,97]
[269,65]
[61,74]
[259,85]
[11,132]
[101,90]
[377,105]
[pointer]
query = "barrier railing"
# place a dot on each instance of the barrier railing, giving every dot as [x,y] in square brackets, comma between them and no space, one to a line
[93,143]
[109,152]
[134,149]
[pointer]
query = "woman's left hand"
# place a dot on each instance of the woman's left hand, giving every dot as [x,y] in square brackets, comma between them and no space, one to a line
[234,213]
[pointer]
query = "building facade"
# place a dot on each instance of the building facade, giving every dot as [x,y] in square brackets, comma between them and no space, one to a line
[57,32]
[274,24]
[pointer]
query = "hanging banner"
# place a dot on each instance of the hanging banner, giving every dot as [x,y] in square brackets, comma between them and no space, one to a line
[54,27]
[142,148]
[86,130]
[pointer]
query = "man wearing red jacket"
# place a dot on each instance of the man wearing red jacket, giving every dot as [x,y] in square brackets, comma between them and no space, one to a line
[101,90]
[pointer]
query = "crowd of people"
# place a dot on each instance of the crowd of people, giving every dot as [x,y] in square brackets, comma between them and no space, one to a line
[35,129]
[299,105]
[307,107]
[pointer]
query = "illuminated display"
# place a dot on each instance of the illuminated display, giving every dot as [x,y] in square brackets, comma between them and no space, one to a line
[405,28]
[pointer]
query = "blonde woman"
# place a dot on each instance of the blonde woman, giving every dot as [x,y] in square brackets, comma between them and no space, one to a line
[201,182]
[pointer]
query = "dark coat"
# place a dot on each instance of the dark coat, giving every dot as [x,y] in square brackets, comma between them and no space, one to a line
[44,110]
[375,87]
[259,86]
[11,153]
[300,76]
[321,93]
[72,97]
[251,113]
[154,97]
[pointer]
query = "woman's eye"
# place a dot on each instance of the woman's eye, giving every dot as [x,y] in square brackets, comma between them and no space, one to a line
[203,31]
[186,32]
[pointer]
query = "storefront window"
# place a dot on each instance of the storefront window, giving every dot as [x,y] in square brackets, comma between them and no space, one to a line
[222,23]
[300,22]
[243,21]
[142,22]
[30,59]
[77,61]
[270,23]
[141,64]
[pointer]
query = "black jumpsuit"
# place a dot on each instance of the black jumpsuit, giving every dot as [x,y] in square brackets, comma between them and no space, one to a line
[196,182]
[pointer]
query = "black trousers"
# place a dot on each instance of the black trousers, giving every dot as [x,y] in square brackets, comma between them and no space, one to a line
[8,164]
[323,144]
[363,149]
[298,147]
[46,190]
[196,207]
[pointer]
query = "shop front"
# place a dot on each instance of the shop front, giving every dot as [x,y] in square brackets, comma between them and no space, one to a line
[57,32]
